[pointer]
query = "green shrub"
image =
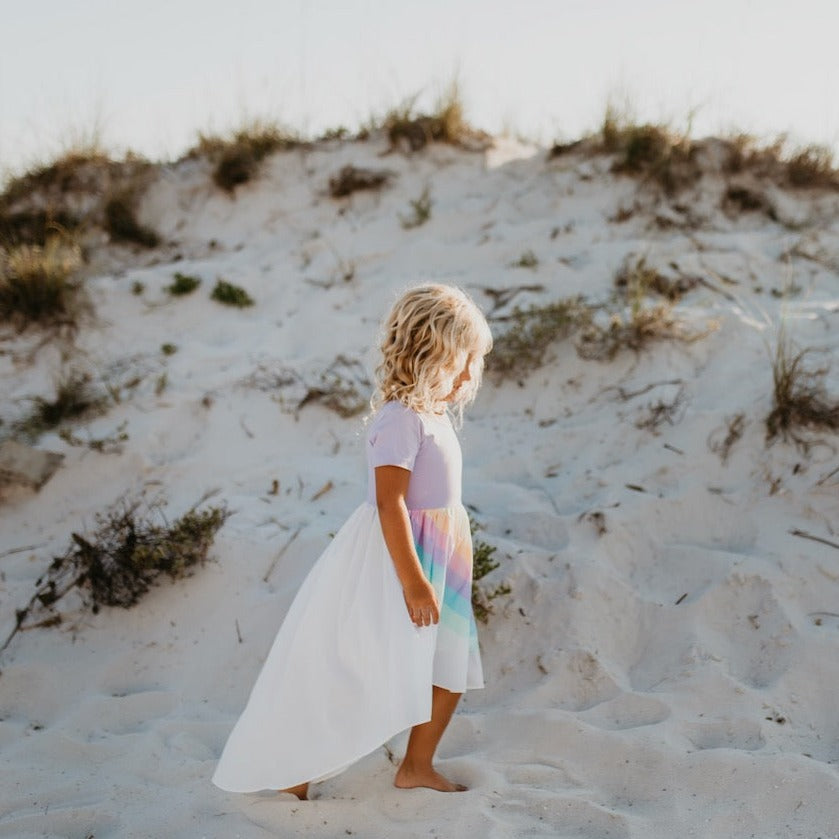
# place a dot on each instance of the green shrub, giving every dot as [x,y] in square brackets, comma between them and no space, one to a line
[183,284]
[482,564]
[522,346]
[231,295]
[128,552]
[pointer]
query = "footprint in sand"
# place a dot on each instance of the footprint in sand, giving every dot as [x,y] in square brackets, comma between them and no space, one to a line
[124,714]
[545,813]
[725,734]
[541,530]
[746,626]
[576,681]
[629,710]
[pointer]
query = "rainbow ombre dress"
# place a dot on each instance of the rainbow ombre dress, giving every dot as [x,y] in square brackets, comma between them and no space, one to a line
[348,669]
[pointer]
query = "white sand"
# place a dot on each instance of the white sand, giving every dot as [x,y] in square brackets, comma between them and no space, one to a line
[610,711]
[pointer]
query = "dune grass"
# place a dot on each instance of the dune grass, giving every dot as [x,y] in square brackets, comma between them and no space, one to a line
[75,398]
[132,547]
[800,401]
[237,156]
[39,285]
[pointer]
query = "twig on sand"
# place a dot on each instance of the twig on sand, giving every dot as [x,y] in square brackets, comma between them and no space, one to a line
[21,550]
[820,481]
[804,535]
[238,631]
[322,491]
[283,549]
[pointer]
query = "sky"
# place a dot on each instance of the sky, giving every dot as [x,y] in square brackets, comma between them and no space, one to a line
[149,76]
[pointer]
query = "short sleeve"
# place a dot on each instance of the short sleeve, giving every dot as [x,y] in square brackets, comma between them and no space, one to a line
[395,437]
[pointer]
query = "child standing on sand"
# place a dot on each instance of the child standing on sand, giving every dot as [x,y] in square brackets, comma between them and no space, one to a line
[381,636]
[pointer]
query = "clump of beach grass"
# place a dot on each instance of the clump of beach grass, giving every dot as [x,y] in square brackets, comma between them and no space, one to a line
[38,284]
[237,157]
[800,400]
[446,124]
[75,398]
[131,548]
[529,333]
[653,152]
[420,211]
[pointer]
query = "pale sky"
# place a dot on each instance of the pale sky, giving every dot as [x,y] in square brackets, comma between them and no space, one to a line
[150,75]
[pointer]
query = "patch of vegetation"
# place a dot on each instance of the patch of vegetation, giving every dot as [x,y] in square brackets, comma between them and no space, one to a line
[237,158]
[168,349]
[109,444]
[122,225]
[231,295]
[635,278]
[130,550]
[183,284]
[75,398]
[34,227]
[634,330]
[799,395]
[531,332]
[660,412]
[343,388]
[137,288]
[37,283]
[482,564]
[354,179]
[421,209]
[812,166]
[338,133]
[447,124]
[651,151]
[528,259]
[70,172]
[734,427]
[742,199]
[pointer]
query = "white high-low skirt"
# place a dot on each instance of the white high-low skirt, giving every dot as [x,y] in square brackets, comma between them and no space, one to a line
[348,669]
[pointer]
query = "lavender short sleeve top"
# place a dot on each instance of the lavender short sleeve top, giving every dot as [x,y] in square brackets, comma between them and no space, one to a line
[424,444]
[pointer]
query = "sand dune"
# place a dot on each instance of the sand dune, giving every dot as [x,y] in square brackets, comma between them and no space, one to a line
[666,662]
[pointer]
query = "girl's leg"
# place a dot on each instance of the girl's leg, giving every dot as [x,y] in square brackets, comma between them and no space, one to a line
[416,769]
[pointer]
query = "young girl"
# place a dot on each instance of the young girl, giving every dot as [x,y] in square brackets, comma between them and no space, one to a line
[381,636]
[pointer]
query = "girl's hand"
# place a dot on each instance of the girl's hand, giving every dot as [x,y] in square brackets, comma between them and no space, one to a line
[422,603]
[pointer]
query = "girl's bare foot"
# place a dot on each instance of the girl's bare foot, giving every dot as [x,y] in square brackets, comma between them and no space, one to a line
[301,791]
[410,778]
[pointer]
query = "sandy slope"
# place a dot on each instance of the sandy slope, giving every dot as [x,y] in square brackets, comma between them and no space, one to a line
[665,668]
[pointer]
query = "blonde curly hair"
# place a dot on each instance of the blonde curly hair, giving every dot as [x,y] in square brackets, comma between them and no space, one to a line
[431,333]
